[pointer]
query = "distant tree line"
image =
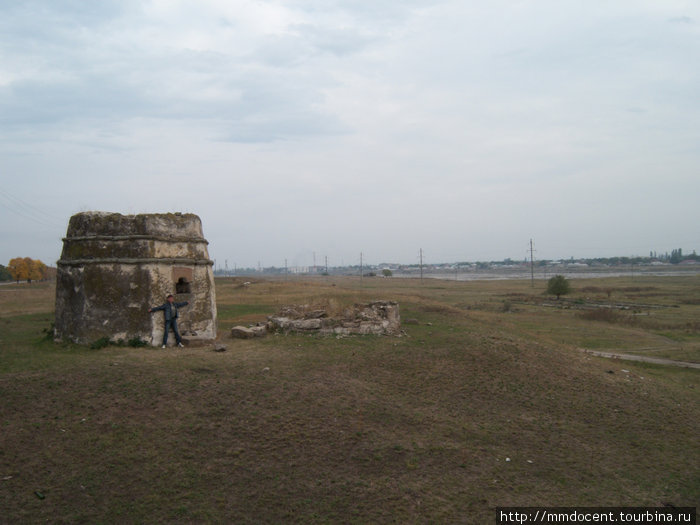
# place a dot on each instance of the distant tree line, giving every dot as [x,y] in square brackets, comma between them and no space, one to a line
[675,257]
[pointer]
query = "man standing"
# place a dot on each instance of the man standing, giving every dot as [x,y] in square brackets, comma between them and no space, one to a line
[171,314]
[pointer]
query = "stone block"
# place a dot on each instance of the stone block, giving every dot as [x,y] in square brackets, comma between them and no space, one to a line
[242,332]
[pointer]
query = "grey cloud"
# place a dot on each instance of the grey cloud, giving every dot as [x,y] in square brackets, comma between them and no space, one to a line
[260,104]
[267,129]
[337,41]
[268,114]
[82,73]
[372,12]
[308,41]
[38,23]
[282,51]
[265,111]
[34,103]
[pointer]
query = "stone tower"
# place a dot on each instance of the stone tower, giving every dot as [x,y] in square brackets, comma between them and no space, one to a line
[114,267]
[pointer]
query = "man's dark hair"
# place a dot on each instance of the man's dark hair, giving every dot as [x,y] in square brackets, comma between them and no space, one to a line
[169,296]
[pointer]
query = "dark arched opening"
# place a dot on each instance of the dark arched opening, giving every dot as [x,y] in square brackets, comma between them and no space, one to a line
[182,286]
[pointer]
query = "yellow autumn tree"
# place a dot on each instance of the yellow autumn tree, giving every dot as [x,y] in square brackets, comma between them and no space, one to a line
[18,269]
[26,269]
[37,270]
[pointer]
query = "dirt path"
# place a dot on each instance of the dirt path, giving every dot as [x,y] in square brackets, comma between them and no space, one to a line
[655,360]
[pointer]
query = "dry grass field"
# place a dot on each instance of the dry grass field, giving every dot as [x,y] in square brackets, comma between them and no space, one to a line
[487,401]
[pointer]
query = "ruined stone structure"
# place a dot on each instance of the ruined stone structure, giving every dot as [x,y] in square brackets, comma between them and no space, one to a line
[377,318]
[114,267]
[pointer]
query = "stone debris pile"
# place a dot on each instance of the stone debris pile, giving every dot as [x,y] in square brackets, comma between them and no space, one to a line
[375,318]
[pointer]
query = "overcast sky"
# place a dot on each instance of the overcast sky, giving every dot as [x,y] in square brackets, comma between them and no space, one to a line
[336,127]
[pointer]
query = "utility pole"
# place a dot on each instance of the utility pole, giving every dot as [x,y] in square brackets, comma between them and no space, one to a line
[360,267]
[532,265]
[226,267]
[314,262]
[285,269]
[326,264]
[421,265]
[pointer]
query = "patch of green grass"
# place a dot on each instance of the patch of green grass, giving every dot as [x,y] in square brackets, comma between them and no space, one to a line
[240,310]
[675,336]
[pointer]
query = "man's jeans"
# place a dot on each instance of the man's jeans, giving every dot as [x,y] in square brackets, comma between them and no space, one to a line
[168,324]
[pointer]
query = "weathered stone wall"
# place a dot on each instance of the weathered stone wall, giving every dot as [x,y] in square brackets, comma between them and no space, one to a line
[114,267]
[378,318]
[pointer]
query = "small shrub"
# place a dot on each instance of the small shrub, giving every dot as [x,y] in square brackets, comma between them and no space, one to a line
[49,332]
[137,342]
[558,285]
[102,342]
[507,306]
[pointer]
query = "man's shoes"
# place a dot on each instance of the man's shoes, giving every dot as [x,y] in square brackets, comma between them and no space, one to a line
[181,345]
[163,346]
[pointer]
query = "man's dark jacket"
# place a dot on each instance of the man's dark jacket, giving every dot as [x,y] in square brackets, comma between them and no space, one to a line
[170,310]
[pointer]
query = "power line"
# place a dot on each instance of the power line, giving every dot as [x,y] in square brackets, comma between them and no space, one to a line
[26,210]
